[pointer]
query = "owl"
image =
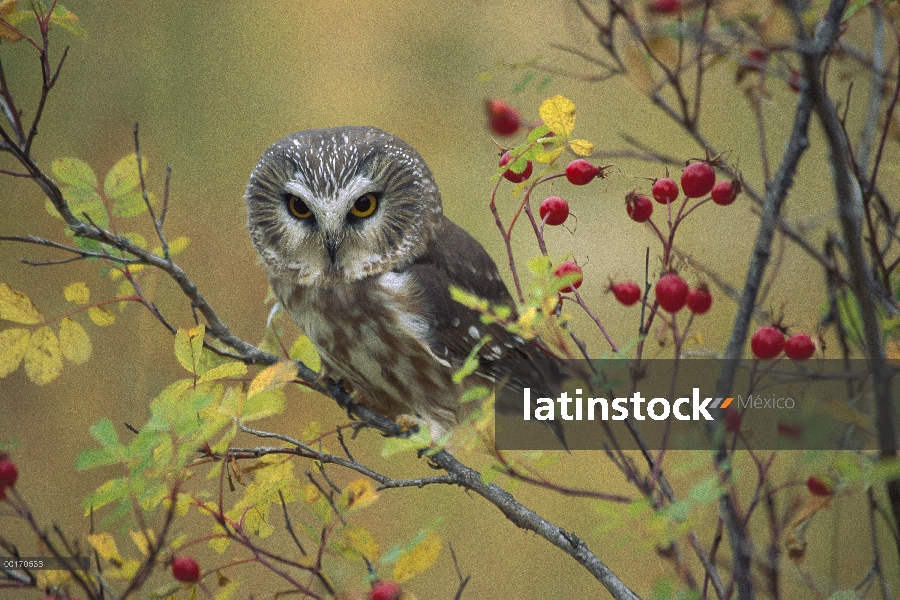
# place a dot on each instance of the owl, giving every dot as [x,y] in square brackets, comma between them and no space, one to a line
[349,226]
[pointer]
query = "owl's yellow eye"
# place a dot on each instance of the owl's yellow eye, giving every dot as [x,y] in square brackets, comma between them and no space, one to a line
[364,206]
[298,207]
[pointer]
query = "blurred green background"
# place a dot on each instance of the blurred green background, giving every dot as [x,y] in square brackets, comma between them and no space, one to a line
[212,84]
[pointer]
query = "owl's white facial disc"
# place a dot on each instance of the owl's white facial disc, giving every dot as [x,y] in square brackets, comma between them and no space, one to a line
[333,205]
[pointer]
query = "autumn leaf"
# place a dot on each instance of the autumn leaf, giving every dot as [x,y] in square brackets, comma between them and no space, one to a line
[77,293]
[74,341]
[229,369]
[43,359]
[358,494]
[17,307]
[304,351]
[418,558]
[581,147]
[13,344]
[188,346]
[354,540]
[9,16]
[273,377]
[101,316]
[123,178]
[558,114]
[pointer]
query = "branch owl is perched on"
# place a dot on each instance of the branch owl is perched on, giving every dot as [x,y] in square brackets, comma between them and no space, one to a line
[349,225]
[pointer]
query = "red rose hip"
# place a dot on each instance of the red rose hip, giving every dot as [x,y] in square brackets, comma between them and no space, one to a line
[697,179]
[699,300]
[385,590]
[568,268]
[799,346]
[665,190]
[626,292]
[509,174]
[554,210]
[725,192]
[503,119]
[767,342]
[671,292]
[639,207]
[185,569]
[665,7]
[581,172]
[8,472]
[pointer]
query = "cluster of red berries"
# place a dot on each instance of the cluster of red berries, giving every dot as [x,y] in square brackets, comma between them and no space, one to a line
[697,180]
[673,294]
[769,341]
[8,475]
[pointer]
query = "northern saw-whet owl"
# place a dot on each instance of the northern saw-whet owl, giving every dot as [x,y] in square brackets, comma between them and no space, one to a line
[349,226]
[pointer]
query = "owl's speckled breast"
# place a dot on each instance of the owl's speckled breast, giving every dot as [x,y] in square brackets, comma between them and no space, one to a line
[369,333]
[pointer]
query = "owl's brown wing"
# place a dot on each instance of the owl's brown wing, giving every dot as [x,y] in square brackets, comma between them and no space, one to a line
[457,259]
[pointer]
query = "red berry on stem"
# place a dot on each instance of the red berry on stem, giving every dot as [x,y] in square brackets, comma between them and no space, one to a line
[626,292]
[697,179]
[699,300]
[510,174]
[568,267]
[665,7]
[671,292]
[554,210]
[639,207]
[799,346]
[385,590]
[767,342]
[581,172]
[503,119]
[8,472]
[665,190]
[185,569]
[817,487]
[733,419]
[725,191]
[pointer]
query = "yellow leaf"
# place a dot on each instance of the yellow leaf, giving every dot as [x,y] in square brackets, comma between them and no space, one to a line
[74,341]
[312,494]
[549,157]
[101,316]
[418,558]
[581,147]
[558,114]
[43,361]
[17,307]
[105,545]
[273,377]
[312,431]
[77,293]
[360,541]
[13,343]
[358,494]
[7,14]
[188,346]
[304,351]
[175,246]
[229,369]
[143,540]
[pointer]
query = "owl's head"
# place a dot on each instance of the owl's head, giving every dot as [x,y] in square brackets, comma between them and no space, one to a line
[332,205]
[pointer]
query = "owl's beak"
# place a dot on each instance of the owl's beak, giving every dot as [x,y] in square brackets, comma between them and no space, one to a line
[332,245]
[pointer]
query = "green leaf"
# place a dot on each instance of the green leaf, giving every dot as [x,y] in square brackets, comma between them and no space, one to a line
[229,369]
[13,344]
[123,178]
[95,457]
[263,404]
[188,346]
[478,392]
[537,133]
[74,172]
[65,19]
[105,433]
[132,204]
[74,341]
[304,351]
